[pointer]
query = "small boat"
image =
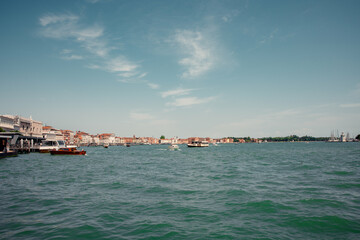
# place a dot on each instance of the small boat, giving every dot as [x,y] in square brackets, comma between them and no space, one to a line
[106,145]
[198,144]
[173,147]
[128,145]
[68,151]
[5,147]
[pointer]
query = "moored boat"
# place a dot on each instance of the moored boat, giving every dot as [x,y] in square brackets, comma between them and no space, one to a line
[198,144]
[48,145]
[68,151]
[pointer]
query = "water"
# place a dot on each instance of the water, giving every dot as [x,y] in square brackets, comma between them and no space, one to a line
[230,191]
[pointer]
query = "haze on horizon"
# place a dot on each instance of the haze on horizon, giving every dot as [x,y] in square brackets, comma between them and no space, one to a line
[183,68]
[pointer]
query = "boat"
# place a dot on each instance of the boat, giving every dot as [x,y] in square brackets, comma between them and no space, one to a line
[5,147]
[48,145]
[198,144]
[67,151]
[173,147]
[106,145]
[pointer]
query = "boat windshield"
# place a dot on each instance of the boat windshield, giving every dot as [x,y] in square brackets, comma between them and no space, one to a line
[49,143]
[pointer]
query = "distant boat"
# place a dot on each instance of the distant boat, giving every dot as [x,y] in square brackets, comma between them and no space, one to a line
[106,145]
[173,147]
[215,144]
[198,144]
[67,151]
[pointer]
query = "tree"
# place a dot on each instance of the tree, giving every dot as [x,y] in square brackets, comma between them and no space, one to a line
[2,130]
[162,137]
[358,137]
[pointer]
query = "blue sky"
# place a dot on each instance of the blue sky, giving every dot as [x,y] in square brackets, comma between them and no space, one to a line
[183,68]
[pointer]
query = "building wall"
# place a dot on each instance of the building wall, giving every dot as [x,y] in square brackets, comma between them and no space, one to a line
[6,123]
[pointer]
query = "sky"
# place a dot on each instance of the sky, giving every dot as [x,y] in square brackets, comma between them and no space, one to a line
[183,67]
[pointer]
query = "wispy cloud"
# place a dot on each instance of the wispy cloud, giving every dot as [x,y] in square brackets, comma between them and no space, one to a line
[229,16]
[153,85]
[67,26]
[350,105]
[189,101]
[176,92]
[72,57]
[52,18]
[141,116]
[68,55]
[121,64]
[200,56]
[270,37]
[91,38]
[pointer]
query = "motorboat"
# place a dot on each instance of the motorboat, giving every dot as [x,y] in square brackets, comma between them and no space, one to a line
[106,145]
[198,144]
[5,147]
[48,145]
[173,147]
[68,151]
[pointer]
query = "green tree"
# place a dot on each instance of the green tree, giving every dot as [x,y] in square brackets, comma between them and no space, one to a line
[358,137]
[2,130]
[162,137]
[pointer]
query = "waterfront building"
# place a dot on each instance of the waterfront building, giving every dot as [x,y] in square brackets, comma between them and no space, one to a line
[95,140]
[107,138]
[68,136]
[82,138]
[128,140]
[9,123]
[227,140]
[165,141]
[26,126]
[50,133]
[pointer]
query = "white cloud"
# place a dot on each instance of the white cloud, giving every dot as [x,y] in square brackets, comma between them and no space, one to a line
[72,57]
[127,74]
[67,26]
[153,85]
[176,92]
[92,39]
[67,55]
[93,66]
[120,64]
[200,57]
[350,105]
[142,75]
[189,101]
[52,18]
[141,116]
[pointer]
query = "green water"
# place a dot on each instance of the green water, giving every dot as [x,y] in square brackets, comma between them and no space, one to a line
[230,191]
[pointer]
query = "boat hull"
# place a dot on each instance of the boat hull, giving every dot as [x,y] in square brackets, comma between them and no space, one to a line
[194,146]
[8,154]
[66,152]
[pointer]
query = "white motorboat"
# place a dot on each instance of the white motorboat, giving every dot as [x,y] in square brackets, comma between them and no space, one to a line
[198,144]
[48,145]
[173,147]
